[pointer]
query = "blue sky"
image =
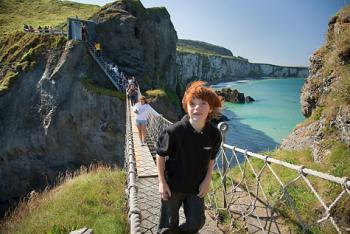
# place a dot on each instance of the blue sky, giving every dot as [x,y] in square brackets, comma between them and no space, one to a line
[281,32]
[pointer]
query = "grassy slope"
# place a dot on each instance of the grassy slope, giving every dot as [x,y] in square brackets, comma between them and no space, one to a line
[203,51]
[15,13]
[334,64]
[95,200]
[338,44]
[89,85]
[20,53]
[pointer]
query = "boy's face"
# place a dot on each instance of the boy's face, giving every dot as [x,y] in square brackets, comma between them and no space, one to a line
[198,109]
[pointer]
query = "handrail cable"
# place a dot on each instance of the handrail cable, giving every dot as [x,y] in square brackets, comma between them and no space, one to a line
[134,213]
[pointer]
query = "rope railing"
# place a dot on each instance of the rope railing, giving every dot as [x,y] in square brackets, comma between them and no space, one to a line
[249,186]
[134,213]
[253,197]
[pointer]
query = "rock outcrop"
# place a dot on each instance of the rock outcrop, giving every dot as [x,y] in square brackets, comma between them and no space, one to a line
[215,68]
[142,42]
[233,95]
[50,123]
[325,97]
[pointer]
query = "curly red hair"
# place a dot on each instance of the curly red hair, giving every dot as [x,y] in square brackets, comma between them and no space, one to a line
[197,89]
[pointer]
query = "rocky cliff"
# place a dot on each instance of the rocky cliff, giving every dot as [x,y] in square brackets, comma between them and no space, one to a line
[216,68]
[142,42]
[50,123]
[325,97]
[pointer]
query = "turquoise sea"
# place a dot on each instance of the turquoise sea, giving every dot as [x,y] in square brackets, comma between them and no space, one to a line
[262,125]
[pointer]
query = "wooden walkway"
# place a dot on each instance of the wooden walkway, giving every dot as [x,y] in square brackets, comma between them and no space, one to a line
[148,196]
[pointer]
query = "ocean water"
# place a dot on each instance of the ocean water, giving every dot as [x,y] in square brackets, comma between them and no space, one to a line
[262,125]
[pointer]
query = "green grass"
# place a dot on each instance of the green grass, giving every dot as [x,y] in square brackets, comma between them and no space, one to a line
[343,93]
[333,55]
[95,200]
[166,93]
[204,49]
[156,93]
[15,13]
[89,85]
[20,52]
[187,49]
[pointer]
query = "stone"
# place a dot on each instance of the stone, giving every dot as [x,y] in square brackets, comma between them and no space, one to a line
[249,99]
[231,95]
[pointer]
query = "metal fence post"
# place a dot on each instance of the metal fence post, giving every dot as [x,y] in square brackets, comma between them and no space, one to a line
[223,127]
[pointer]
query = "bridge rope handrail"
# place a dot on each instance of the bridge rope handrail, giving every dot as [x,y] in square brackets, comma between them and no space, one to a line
[299,168]
[134,213]
[156,124]
[302,174]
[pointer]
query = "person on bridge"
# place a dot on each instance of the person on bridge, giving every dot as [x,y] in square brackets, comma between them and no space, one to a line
[142,109]
[185,157]
[98,48]
[132,93]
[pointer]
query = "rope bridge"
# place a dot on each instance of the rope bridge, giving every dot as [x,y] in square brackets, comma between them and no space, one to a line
[239,194]
[249,192]
[239,198]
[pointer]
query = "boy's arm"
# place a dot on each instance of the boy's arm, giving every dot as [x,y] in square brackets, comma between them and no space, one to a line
[204,186]
[164,189]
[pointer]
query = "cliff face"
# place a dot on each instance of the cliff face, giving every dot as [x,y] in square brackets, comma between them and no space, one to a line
[214,68]
[142,42]
[325,97]
[49,123]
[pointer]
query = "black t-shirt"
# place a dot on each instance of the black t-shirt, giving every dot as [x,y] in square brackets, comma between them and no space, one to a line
[189,154]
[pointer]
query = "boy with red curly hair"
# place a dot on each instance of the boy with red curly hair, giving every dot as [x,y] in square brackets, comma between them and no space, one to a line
[185,157]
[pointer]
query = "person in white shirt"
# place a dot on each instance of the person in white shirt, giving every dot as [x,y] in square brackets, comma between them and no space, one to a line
[142,110]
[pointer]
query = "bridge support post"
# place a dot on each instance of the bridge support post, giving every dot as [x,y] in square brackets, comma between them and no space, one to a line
[223,127]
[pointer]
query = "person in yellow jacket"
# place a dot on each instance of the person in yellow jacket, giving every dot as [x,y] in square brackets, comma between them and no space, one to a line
[98,48]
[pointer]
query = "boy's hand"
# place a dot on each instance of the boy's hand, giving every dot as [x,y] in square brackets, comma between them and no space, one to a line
[164,191]
[204,187]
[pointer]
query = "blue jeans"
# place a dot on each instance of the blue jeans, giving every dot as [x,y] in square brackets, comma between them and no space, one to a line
[169,214]
[141,122]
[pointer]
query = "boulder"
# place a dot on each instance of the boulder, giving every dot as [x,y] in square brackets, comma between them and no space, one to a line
[142,42]
[230,95]
[249,99]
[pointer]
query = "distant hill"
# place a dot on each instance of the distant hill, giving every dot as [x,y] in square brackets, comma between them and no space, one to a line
[191,46]
[15,13]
